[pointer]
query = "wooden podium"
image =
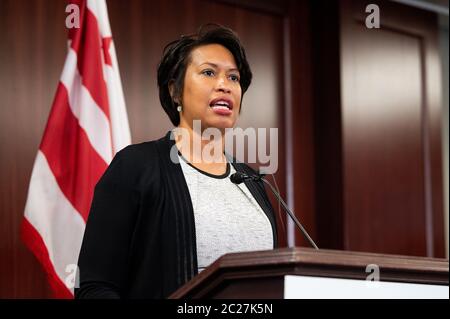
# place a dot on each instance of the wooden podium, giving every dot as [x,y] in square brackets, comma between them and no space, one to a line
[263,274]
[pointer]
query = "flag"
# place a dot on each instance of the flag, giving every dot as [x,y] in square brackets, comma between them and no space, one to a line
[87,125]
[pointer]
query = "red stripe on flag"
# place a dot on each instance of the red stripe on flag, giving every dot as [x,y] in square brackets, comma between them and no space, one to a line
[87,43]
[106,43]
[75,164]
[34,243]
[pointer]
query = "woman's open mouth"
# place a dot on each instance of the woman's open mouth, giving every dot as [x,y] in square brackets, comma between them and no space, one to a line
[222,106]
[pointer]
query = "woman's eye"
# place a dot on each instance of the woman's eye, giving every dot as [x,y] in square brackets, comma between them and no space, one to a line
[234,78]
[208,72]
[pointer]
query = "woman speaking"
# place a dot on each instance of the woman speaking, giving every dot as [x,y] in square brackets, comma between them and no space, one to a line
[157,219]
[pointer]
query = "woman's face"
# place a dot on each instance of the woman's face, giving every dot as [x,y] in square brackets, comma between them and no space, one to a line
[211,92]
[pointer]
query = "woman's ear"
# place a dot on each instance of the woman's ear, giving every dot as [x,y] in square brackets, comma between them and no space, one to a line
[172,91]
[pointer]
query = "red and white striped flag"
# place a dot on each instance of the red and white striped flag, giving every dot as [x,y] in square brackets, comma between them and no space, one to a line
[87,125]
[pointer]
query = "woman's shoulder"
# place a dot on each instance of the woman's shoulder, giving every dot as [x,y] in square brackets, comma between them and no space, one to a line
[135,154]
[141,154]
[134,162]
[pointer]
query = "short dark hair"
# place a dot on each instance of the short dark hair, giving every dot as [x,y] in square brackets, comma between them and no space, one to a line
[176,55]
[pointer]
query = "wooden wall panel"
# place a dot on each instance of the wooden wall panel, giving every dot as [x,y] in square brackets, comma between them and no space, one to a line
[32,53]
[327,124]
[383,144]
[392,180]
[378,176]
[301,162]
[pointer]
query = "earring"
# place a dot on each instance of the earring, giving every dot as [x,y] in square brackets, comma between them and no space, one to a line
[179,108]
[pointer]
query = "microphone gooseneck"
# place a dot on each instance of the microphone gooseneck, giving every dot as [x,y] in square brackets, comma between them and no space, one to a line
[238,178]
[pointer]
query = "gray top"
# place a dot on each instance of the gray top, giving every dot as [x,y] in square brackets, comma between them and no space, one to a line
[227,217]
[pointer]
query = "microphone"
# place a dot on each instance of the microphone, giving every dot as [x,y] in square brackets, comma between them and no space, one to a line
[238,178]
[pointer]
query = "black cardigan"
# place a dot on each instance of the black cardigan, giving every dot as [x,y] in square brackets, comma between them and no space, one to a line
[140,238]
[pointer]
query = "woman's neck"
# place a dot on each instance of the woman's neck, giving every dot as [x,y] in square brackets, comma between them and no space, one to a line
[207,152]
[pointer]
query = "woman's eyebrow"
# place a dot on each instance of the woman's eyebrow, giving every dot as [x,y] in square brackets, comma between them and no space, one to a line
[216,66]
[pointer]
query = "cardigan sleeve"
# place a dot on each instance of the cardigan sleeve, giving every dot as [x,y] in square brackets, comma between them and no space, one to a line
[105,249]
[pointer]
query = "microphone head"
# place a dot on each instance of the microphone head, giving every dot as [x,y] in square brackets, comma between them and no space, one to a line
[238,177]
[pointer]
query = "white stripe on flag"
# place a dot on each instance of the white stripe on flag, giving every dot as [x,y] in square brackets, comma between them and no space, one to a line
[100,11]
[90,117]
[53,216]
[118,113]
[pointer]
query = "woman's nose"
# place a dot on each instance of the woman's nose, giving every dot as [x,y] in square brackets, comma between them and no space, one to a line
[223,86]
